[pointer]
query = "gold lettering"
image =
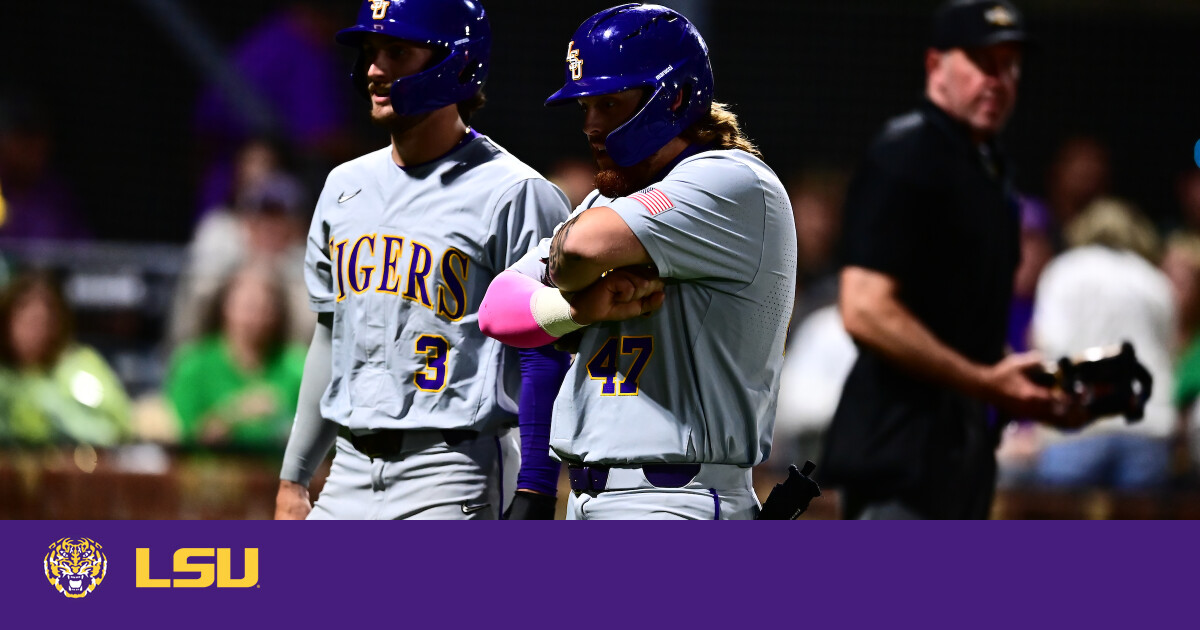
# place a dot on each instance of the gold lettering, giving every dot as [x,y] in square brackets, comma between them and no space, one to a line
[205,571]
[143,572]
[250,578]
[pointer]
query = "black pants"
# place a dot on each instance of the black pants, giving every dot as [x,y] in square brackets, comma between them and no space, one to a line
[966,493]
[973,506]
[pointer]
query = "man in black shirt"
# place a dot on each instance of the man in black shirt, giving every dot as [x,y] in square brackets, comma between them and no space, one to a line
[931,245]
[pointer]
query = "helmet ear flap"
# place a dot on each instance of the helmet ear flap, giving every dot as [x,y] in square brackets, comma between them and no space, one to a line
[687,91]
[470,70]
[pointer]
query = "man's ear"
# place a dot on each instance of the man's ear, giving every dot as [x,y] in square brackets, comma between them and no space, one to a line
[933,58]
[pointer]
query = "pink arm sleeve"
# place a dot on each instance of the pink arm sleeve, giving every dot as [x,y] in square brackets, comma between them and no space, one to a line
[505,315]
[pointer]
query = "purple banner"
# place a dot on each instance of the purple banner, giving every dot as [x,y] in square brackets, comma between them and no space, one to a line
[568,575]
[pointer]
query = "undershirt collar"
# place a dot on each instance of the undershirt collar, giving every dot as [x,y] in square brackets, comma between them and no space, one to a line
[467,138]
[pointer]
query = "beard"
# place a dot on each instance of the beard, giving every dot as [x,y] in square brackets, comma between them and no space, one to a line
[621,181]
[387,117]
[617,182]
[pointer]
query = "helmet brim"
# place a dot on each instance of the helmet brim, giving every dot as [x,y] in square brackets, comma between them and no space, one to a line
[353,36]
[595,86]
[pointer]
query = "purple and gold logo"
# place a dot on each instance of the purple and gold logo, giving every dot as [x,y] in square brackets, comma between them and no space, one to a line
[574,63]
[75,566]
[379,9]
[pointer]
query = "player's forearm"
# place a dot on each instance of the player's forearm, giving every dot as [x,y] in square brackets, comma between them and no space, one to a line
[886,326]
[589,245]
[573,266]
[542,372]
[312,435]
[508,312]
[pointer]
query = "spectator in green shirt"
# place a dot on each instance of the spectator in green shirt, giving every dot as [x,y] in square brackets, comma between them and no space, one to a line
[53,390]
[1182,265]
[237,386]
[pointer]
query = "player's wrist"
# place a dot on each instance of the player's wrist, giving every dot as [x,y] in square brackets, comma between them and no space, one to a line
[295,475]
[579,317]
[531,506]
[553,313]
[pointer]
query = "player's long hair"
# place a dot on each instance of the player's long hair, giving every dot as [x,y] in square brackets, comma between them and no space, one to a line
[720,128]
[471,105]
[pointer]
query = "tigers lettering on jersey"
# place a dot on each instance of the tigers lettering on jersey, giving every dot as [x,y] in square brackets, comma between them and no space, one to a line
[373,262]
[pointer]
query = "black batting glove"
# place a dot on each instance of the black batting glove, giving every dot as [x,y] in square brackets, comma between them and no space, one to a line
[531,506]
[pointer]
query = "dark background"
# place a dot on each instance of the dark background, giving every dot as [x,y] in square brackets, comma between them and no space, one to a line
[812,81]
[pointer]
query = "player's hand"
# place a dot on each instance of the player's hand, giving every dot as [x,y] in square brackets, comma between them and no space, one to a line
[1007,385]
[531,506]
[292,502]
[622,294]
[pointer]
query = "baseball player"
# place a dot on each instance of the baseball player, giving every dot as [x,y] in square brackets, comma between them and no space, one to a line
[660,416]
[403,245]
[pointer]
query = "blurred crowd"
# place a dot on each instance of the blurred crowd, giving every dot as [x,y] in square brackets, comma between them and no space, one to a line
[230,348]
[1095,271]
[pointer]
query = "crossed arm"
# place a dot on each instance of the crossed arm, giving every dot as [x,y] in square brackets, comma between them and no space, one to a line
[602,273]
[590,244]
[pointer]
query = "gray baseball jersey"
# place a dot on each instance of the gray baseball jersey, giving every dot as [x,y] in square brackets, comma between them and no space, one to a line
[402,258]
[697,381]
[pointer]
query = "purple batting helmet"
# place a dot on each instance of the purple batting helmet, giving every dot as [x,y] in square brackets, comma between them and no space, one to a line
[459,28]
[640,46]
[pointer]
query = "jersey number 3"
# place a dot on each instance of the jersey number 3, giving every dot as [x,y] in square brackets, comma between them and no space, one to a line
[436,349]
[605,364]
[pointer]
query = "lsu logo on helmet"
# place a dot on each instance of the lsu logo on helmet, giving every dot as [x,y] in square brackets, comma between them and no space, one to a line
[574,62]
[379,9]
[75,566]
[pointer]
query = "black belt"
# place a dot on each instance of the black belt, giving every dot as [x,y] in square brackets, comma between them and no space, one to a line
[388,442]
[593,478]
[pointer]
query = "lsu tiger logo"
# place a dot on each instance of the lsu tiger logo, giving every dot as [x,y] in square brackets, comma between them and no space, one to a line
[75,566]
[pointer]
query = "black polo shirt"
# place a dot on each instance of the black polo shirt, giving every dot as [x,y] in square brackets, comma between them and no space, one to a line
[936,212]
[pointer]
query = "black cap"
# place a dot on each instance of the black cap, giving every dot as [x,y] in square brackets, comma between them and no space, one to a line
[977,23]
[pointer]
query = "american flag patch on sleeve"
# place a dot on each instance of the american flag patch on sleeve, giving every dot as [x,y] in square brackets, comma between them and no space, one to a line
[655,200]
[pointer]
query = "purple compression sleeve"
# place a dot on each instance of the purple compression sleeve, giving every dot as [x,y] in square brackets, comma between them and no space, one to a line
[542,372]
